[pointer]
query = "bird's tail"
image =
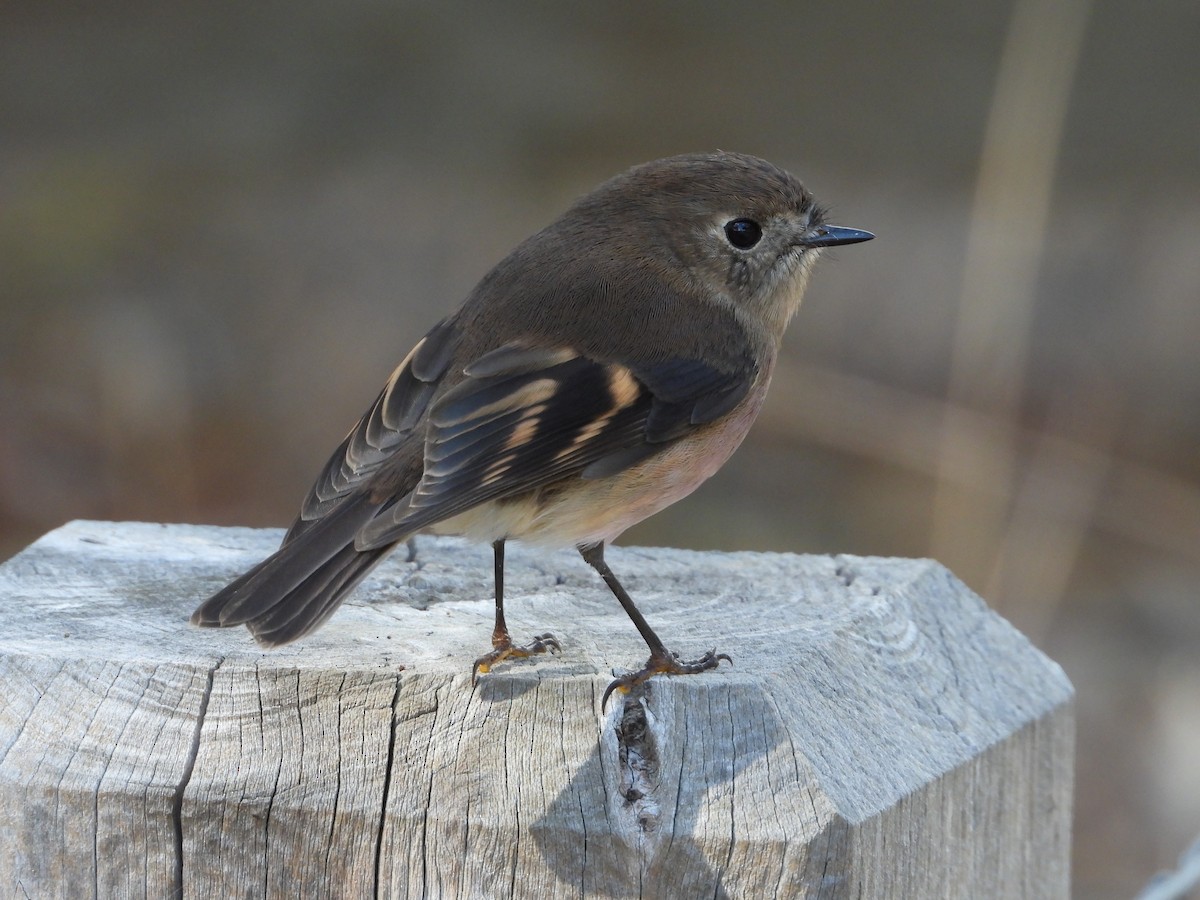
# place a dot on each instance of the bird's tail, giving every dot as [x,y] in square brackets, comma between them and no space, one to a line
[298,587]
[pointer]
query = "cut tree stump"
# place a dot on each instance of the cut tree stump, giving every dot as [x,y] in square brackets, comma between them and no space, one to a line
[882,734]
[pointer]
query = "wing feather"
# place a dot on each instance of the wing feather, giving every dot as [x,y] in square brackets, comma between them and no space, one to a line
[388,423]
[525,418]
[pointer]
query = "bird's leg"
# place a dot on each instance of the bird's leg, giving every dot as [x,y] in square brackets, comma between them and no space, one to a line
[502,645]
[662,661]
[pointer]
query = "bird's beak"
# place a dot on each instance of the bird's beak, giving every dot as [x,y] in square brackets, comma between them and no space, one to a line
[834,236]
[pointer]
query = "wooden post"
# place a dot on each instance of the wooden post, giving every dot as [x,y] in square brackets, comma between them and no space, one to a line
[882,734]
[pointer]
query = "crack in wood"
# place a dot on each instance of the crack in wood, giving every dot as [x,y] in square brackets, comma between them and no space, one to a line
[387,783]
[188,767]
[638,755]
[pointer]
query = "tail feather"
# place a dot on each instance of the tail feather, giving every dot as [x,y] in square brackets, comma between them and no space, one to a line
[208,613]
[299,586]
[316,598]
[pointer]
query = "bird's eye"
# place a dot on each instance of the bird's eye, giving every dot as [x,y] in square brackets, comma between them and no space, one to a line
[743,233]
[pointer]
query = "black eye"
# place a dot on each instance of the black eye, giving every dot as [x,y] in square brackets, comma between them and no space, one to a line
[743,233]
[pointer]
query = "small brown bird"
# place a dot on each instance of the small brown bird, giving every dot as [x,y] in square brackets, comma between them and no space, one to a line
[602,371]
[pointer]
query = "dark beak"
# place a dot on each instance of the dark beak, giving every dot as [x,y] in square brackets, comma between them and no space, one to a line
[834,236]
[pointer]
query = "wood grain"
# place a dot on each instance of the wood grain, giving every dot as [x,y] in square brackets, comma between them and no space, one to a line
[881,734]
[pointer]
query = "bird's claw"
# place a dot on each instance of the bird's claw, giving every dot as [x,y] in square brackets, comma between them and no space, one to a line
[542,643]
[659,664]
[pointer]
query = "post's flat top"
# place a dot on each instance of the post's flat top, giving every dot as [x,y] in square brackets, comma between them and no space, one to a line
[849,654]
[127,589]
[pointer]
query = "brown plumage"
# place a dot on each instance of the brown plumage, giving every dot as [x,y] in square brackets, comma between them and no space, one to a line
[604,369]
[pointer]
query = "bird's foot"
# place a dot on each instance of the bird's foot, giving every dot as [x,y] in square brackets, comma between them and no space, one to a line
[664,664]
[506,649]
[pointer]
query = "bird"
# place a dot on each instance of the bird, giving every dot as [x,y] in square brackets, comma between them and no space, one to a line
[603,370]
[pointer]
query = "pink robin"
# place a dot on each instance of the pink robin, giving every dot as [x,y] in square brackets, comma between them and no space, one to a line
[603,370]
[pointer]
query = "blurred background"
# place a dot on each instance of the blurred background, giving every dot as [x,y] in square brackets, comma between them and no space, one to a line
[221,226]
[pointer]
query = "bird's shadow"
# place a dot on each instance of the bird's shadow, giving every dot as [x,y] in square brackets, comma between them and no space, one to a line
[653,810]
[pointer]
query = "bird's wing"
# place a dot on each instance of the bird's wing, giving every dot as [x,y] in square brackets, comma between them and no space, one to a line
[388,423]
[292,591]
[525,417]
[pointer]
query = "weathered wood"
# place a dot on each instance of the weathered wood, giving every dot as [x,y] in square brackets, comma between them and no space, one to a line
[882,733]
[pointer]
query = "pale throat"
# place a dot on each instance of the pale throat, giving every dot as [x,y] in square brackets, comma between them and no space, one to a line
[780,297]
